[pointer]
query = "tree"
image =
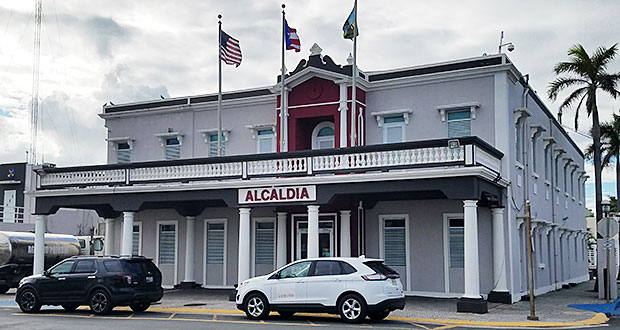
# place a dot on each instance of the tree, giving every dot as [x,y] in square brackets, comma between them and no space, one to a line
[588,74]
[610,147]
[614,204]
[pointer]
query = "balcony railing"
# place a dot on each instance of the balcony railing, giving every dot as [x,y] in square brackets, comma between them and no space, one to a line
[11,214]
[469,151]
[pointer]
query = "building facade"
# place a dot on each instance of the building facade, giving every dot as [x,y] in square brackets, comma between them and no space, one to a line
[430,170]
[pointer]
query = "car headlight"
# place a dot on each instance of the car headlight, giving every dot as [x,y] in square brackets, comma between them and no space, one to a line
[244,283]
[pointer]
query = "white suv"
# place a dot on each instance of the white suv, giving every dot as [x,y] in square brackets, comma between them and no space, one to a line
[352,287]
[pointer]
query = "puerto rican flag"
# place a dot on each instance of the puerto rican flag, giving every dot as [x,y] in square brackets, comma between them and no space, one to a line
[291,37]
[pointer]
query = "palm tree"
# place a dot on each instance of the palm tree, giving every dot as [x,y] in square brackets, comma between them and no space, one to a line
[588,74]
[610,147]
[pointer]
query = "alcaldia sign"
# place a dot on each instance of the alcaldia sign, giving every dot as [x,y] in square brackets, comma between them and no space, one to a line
[277,194]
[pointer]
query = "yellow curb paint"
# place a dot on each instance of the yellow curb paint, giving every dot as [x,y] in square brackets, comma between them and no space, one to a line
[172,315]
[446,327]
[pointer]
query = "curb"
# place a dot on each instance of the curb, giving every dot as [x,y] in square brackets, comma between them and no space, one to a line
[597,319]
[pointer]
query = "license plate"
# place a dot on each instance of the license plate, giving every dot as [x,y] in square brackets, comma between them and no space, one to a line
[393,281]
[149,279]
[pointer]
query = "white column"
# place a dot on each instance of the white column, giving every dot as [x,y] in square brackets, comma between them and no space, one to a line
[499,255]
[472,268]
[313,231]
[345,233]
[281,240]
[40,226]
[127,245]
[189,249]
[243,270]
[108,244]
[343,115]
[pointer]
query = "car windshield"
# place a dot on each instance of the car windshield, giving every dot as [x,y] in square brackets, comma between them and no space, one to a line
[299,269]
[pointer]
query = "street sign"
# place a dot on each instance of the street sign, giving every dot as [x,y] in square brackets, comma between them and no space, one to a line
[608,243]
[607,227]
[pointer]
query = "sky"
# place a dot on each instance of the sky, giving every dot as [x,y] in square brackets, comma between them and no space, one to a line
[94,52]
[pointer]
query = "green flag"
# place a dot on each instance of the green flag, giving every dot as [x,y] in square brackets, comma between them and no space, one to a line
[350,26]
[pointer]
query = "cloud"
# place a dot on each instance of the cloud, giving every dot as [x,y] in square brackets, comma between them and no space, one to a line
[115,88]
[106,33]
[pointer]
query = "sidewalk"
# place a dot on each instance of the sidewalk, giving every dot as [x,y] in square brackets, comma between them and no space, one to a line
[550,308]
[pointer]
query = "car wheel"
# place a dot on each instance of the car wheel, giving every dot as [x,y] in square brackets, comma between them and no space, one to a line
[28,301]
[256,306]
[3,289]
[69,307]
[140,307]
[100,302]
[378,316]
[286,314]
[352,308]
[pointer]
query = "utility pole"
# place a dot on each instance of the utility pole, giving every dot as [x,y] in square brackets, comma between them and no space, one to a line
[530,266]
[34,110]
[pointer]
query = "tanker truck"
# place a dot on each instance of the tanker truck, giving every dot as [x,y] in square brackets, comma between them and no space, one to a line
[17,254]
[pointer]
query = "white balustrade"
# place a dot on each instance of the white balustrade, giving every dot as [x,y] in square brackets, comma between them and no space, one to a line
[277,166]
[83,177]
[371,160]
[193,171]
[391,158]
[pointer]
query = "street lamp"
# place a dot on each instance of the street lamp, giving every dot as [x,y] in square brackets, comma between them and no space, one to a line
[606,206]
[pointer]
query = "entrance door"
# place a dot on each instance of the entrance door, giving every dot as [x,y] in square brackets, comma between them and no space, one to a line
[8,211]
[167,252]
[215,253]
[326,239]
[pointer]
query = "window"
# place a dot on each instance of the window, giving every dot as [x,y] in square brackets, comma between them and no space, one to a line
[136,242]
[123,153]
[564,176]
[459,123]
[97,245]
[265,232]
[456,237]
[323,136]
[534,153]
[299,269]
[213,145]
[84,266]
[547,162]
[265,141]
[167,244]
[113,266]
[215,243]
[394,242]
[519,140]
[63,268]
[393,129]
[329,267]
[557,172]
[172,149]
[572,184]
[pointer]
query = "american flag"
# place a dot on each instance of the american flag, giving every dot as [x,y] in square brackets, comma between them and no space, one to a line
[292,39]
[230,51]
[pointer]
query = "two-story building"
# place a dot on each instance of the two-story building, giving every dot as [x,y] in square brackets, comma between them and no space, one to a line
[430,170]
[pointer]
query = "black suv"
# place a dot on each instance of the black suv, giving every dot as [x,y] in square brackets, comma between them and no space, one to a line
[99,282]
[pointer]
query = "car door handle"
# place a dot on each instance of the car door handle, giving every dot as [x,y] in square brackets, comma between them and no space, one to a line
[91,277]
[61,278]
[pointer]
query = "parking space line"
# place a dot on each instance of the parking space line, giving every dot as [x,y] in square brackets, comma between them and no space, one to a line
[446,327]
[172,315]
[214,317]
[131,315]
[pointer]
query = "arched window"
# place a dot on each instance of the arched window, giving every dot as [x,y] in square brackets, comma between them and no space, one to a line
[323,136]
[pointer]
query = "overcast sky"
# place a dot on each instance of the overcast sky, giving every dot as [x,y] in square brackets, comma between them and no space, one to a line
[93,52]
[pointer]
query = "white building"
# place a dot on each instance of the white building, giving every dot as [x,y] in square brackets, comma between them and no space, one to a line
[430,172]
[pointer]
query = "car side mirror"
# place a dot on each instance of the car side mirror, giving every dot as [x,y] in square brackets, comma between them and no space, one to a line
[275,276]
[46,273]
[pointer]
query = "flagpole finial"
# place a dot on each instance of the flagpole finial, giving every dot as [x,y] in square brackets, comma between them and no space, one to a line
[283,6]
[219,16]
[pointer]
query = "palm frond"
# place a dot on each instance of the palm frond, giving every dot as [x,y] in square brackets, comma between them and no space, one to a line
[559,84]
[609,83]
[602,56]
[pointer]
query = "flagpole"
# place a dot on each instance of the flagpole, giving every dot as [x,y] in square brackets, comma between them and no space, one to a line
[353,87]
[219,91]
[283,74]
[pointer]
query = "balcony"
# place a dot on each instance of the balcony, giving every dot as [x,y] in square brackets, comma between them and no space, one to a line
[467,152]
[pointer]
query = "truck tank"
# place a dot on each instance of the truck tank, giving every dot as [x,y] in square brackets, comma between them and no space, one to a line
[17,254]
[18,248]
